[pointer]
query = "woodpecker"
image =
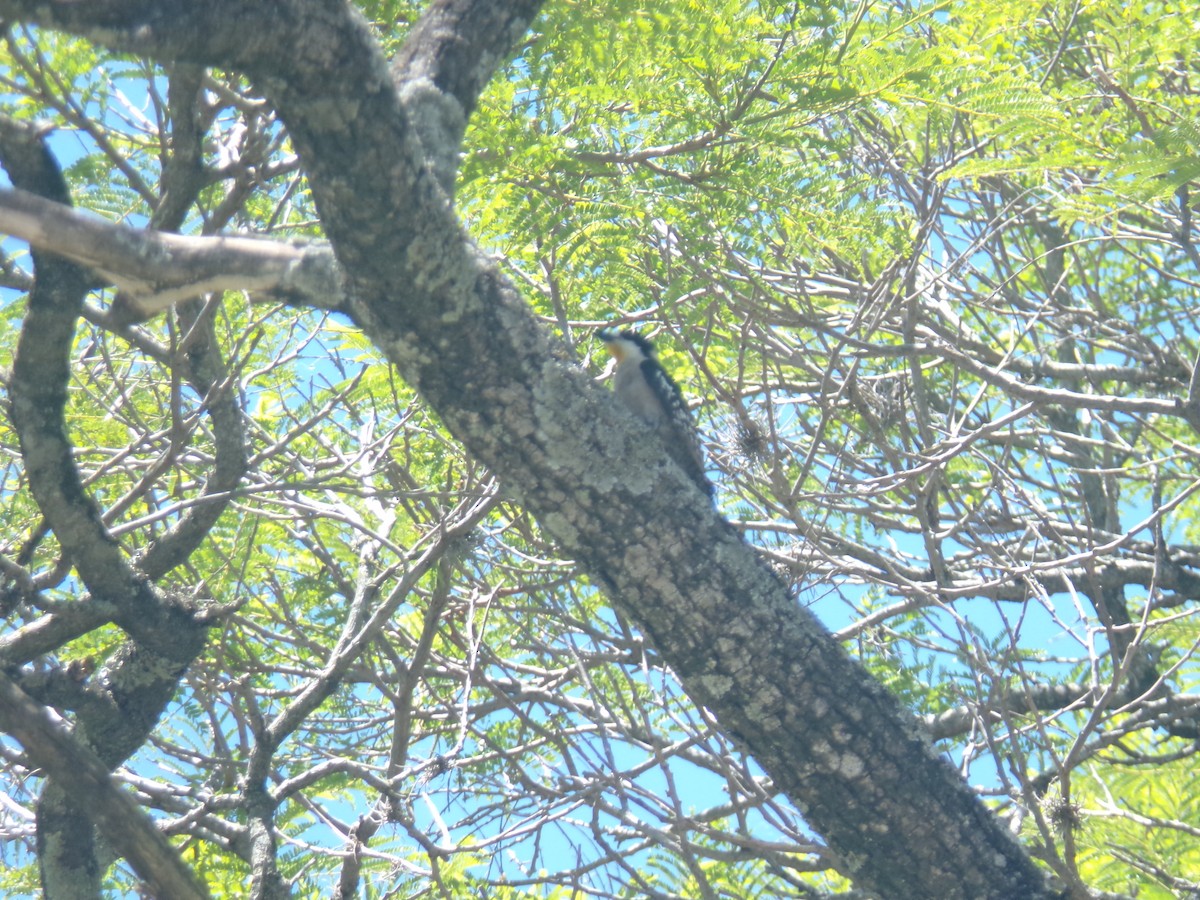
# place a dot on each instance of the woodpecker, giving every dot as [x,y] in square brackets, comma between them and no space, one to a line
[646,390]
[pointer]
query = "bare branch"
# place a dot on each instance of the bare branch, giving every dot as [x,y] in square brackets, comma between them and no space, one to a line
[155,270]
[87,780]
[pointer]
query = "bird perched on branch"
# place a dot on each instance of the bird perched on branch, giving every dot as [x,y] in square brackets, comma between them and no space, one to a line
[646,390]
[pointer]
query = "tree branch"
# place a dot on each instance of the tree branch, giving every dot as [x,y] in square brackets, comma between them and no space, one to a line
[141,676]
[81,775]
[155,270]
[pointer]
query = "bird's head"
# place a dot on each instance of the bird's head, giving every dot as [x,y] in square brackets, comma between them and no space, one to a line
[623,344]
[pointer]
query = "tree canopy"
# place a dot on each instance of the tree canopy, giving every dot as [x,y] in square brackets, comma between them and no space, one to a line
[320,535]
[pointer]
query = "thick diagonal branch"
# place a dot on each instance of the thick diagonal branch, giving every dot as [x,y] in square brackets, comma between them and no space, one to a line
[82,776]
